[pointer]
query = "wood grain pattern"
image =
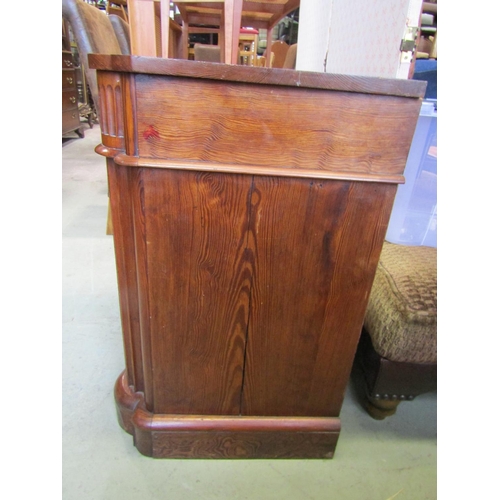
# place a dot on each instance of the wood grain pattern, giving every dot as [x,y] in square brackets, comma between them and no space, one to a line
[243,445]
[195,436]
[198,288]
[316,246]
[252,125]
[136,204]
[111,117]
[234,168]
[110,104]
[142,41]
[124,241]
[129,114]
[258,75]
[246,238]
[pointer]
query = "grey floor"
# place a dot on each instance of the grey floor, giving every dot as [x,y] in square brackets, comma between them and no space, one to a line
[374,460]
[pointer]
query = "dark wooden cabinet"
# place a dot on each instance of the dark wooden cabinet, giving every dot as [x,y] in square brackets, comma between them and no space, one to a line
[70,113]
[249,209]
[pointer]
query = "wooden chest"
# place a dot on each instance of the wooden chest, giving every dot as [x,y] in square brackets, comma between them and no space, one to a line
[249,209]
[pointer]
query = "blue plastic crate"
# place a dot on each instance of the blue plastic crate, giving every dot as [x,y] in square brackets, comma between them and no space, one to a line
[414,215]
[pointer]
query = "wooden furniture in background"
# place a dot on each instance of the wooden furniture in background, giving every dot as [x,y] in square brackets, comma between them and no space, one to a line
[266,15]
[94,31]
[279,50]
[149,19]
[291,57]
[152,32]
[70,113]
[427,43]
[244,267]
[202,18]
[86,106]
[213,53]
[117,8]
[249,39]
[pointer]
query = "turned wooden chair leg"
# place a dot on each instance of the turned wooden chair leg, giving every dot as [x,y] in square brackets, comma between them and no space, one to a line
[381,408]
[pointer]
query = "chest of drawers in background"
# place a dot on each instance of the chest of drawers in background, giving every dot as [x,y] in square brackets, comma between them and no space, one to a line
[70,115]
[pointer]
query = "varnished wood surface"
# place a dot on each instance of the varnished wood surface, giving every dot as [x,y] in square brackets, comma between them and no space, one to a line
[273,127]
[243,274]
[67,59]
[126,401]
[242,445]
[240,168]
[70,113]
[121,203]
[69,99]
[68,79]
[315,245]
[193,232]
[234,424]
[259,75]
[142,27]
[195,436]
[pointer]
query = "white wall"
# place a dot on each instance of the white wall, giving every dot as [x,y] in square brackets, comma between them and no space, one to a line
[315,18]
[357,37]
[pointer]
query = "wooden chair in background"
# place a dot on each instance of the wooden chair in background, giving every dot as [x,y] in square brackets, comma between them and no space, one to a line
[150,21]
[279,50]
[202,18]
[282,56]
[117,8]
[291,57]
[152,32]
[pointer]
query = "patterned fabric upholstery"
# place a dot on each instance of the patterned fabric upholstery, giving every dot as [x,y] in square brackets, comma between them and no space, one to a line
[401,317]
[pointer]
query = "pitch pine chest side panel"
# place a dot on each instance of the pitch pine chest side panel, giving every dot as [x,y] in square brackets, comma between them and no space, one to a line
[198,288]
[275,129]
[316,246]
[249,210]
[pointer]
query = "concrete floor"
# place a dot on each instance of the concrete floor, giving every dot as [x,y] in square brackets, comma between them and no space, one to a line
[374,460]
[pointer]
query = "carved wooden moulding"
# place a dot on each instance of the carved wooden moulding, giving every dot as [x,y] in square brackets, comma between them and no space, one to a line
[249,209]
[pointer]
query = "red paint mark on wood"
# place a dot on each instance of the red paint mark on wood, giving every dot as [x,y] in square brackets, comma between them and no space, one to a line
[151,132]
